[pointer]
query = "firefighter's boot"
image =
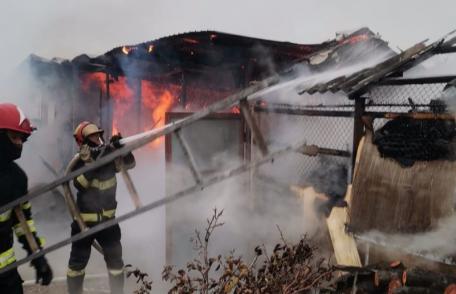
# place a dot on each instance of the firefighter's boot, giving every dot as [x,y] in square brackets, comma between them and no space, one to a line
[116,282]
[75,284]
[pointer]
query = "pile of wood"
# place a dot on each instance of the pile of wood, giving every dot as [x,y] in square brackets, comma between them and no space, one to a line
[393,278]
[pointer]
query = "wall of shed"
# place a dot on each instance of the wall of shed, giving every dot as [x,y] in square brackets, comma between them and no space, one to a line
[392,199]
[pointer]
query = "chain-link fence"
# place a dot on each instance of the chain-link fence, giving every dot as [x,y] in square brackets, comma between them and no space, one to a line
[402,99]
[326,132]
[331,125]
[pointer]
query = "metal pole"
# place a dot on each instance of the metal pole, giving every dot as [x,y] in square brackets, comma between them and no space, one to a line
[163,201]
[142,139]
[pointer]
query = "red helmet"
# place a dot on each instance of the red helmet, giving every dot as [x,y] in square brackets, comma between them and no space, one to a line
[12,118]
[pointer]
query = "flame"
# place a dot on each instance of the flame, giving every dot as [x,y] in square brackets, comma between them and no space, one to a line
[354,39]
[125,50]
[150,49]
[235,109]
[156,100]
[191,41]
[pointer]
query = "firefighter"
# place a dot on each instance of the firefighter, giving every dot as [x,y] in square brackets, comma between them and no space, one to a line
[96,200]
[15,128]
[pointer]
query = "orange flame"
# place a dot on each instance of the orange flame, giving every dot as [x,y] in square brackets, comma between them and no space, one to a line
[156,100]
[190,40]
[125,50]
[150,49]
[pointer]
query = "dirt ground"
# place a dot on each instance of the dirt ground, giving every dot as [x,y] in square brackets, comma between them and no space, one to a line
[91,286]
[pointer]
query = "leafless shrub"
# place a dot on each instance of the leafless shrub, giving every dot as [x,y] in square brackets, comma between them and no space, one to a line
[141,279]
[289,269]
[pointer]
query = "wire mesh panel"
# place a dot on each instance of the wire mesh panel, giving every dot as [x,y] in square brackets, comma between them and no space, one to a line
[323,131]
[403,98]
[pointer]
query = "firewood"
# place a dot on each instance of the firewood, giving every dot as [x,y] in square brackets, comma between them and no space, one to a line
[415,290]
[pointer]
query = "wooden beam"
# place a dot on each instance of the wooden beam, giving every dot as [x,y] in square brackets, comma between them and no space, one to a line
[131,188]
[189,156]
[26,229]
[358,127]
[303,112]
[253,125]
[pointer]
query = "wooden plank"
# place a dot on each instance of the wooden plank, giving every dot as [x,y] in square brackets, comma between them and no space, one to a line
[253,125]
[344,245]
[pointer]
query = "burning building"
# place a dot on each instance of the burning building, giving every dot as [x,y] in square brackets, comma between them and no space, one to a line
[345,92]
[183,73]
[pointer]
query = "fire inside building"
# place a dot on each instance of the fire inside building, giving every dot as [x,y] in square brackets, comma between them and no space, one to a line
[356,109]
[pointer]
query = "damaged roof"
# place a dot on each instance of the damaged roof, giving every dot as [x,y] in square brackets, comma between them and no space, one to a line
[211,50]
[358,82]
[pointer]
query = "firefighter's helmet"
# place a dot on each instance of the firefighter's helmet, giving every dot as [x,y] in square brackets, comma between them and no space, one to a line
[85,129]
[12,118]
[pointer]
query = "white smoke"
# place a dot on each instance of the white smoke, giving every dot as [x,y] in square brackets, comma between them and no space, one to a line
[437,244]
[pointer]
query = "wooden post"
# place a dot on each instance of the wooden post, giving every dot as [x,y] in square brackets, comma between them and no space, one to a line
[183,98]
[24,226]
[188,155]
[253,126]
[358,126]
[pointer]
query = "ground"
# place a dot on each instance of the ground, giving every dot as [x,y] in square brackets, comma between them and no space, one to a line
[91,286]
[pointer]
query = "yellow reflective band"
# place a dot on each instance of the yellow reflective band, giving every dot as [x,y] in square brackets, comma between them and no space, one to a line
[42,241]
[115,272]
[26,205]
[7,258]
[109,213]
[74,273]
[95,183]
[83,181]
[5,215]
[104,185]
[19,231]
[96,217]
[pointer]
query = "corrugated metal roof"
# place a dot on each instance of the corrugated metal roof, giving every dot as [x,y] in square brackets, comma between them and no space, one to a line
[358,82]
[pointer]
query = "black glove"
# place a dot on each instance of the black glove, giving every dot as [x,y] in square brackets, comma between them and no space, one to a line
[43,271]
[115,141]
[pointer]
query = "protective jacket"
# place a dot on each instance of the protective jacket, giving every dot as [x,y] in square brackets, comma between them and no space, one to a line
[96,197]
[13,184]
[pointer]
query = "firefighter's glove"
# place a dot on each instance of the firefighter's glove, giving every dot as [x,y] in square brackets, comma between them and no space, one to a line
[85,153]
[115,141]
[43,271]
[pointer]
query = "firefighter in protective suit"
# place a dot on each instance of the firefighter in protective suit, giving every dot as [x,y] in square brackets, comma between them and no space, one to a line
[15,128]
[96,200]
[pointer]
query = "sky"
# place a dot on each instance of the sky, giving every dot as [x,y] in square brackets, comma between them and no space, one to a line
[56,28]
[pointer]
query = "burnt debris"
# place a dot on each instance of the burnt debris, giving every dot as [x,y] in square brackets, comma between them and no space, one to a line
[408,140]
